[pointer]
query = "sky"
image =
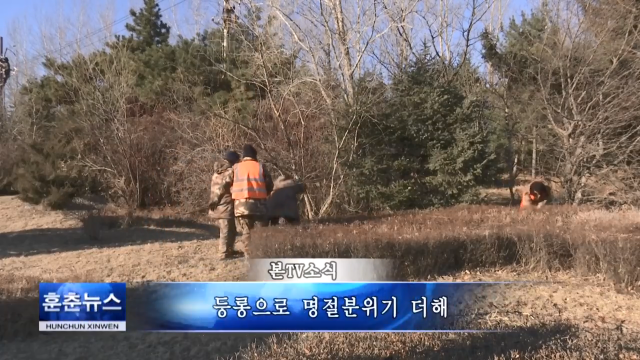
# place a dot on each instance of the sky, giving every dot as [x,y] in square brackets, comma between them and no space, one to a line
[32,29]
[25,9]
[23,23]
[94,15]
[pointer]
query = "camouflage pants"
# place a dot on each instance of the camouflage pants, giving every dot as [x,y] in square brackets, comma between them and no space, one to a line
[245,224]
[227,235]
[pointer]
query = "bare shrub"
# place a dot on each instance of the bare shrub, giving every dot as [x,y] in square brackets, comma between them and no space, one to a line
[202,140]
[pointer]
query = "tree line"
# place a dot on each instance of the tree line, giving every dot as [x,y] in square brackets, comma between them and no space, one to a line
[350,98]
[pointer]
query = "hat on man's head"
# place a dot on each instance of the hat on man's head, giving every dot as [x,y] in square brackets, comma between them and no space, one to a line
[232,157]
[249,151]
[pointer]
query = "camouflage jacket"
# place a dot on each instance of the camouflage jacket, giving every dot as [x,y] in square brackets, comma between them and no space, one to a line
[283,202]
[256,207]
[220,202]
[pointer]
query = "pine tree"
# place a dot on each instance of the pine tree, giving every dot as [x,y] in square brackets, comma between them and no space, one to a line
[152,54]
[425,148]
[147,30]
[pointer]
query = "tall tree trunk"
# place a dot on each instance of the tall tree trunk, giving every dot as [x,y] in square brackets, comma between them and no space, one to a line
[523,151]
[512,158]
[343,43]
[227,20]
[513,174]
[534,154]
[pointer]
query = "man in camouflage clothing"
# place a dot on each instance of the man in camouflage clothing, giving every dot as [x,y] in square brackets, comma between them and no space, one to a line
[221,204]
[283,202]
[252,184]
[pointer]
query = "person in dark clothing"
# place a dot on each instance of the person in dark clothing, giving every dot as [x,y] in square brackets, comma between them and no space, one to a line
[538,195]
[283,202]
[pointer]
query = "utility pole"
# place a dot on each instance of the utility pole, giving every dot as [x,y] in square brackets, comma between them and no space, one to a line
[5,71]
[229,19]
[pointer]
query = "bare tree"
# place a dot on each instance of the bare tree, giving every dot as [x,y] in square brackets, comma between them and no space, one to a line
[106,19]
[82,19]
[588,81]
[332,33]
[23,57]
[496,10]
[323,38]
[175,26]
[453,26]
[198,15]
[398,46]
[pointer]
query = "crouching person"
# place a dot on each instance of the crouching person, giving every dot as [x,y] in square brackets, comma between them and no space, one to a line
[283,202]
[221,205]
[537,196]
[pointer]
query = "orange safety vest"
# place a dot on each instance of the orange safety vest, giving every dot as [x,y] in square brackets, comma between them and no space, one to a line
[248,181]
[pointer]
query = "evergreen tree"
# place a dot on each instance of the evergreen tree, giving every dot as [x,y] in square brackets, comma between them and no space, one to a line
[147,30]
[513,58]
[516,58]
[150,51]
[426,150]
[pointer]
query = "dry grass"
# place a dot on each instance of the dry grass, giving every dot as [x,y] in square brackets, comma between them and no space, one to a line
[582,315]
[543,342]
[426,245]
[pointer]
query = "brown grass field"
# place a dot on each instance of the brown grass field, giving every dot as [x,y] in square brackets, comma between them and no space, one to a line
[590,309]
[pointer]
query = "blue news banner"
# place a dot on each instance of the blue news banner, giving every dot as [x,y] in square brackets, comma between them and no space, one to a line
[293,307]
[255,306]
[83,306]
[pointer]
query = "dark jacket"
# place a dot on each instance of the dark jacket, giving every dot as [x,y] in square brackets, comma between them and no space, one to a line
[540,191]
[283,202]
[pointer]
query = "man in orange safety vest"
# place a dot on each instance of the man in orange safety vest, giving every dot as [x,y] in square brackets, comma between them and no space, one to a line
[252,185]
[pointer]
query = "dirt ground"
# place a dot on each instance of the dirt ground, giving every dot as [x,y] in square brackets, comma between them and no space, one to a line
[558,321]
